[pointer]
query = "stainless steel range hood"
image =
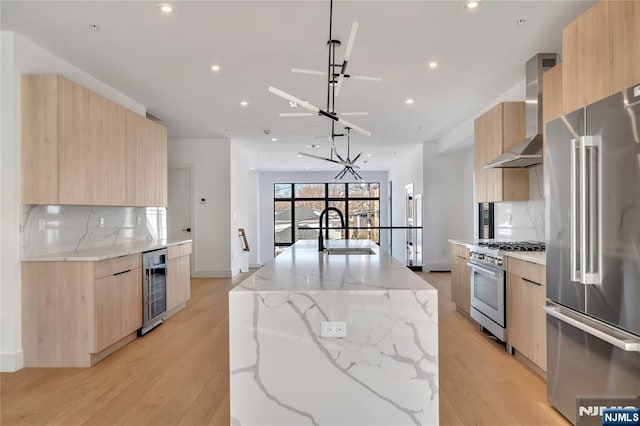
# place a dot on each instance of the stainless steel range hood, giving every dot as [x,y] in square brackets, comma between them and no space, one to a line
[528,153]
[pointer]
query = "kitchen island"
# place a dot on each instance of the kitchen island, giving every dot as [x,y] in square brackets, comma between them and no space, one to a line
[384,371]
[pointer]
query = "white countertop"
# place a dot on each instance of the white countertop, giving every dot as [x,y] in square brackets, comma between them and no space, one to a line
[530,256]
[538,257]
[303,268]
[96,254]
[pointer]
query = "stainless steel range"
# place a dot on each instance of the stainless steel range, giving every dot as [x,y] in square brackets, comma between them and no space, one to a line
[488,289]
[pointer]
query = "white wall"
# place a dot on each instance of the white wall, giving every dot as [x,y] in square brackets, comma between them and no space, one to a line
[265,206]
[406,169]
[447,203]
[211,161]
[240,206]
[253,232]
[20,56]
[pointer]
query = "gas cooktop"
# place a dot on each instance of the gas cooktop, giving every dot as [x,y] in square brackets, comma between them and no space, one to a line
[513,245]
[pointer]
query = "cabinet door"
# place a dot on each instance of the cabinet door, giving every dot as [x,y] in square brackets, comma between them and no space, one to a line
[625,44]
[114,154]
[178,281]
[149,164]
[161,166]
[513,184]
[488,145]
[108,310]
[455,274]
[465,285]
[525,318]
[76,154]
[586,51]
[135,176]
[131,284]
[39,139]
[552,94]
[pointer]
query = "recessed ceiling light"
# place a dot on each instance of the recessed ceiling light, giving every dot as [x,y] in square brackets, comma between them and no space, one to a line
[471,4]
[409,101]
[369,155]
[215,68]
[299,155]
[94,27]
[252,168]
[244,103]
[521,21]
[274,139]
[167,9]
[293,104]
[433,65]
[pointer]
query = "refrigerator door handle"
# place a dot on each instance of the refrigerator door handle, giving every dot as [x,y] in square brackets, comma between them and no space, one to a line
[623,341]
[589,211]
[575,223]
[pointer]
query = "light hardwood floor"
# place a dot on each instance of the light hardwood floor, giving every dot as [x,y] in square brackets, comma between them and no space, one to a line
[178,374]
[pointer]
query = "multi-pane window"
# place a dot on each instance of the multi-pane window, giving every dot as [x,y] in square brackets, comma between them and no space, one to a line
[297,208]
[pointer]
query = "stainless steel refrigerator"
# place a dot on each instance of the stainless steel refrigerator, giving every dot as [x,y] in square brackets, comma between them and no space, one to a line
[592,177]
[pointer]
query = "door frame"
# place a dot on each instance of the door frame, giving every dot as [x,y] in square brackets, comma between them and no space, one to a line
[192,190]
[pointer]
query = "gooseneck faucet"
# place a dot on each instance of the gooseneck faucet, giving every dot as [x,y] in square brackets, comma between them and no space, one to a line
[326,212]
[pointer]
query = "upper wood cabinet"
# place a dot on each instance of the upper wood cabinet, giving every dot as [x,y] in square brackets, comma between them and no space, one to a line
[624,27]
[601,53]
[81,148]
[495,132]
[585,49]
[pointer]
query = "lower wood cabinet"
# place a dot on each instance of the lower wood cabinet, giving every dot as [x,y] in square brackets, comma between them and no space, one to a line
[118,305]
[178,275]
[460,278]
[526,321]
[74,314]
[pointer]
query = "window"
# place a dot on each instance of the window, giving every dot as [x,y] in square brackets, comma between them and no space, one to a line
[485,220]
[297,208]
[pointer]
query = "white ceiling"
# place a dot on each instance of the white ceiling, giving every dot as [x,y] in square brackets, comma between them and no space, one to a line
[164,62]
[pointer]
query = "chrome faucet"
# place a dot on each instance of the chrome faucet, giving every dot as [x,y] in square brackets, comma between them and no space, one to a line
[326,212]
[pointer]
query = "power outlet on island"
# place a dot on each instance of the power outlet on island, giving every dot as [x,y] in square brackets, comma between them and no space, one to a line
[333,329]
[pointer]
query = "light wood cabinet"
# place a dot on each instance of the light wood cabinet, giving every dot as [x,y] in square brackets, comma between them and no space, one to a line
[586,55]
[601,53]
[460,278]
[81,148]
[178,275]
[76,313]
[526,295]
[552,94]
[624,26]
[495,132]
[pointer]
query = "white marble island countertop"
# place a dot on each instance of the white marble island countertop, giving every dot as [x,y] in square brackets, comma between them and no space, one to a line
[96,254]
[285,370]
[303,268]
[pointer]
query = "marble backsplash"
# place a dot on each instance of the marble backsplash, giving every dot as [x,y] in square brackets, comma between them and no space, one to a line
[523,220]
[51,229]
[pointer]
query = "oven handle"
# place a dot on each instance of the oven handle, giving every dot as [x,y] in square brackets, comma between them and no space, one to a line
[482,271]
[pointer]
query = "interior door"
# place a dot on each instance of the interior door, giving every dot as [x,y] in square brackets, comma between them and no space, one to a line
[179,203]
[409,221]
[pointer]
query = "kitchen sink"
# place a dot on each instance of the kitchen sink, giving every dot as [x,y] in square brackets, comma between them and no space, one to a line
[350,250]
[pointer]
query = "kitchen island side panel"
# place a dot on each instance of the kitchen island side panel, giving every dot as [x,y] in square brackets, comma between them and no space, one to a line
[385,371]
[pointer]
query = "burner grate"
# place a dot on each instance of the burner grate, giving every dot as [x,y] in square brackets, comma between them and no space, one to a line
[513,245]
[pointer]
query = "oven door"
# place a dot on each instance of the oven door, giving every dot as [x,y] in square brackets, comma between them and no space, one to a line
[487,291]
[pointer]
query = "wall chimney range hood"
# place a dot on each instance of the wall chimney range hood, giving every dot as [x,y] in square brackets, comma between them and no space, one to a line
[528,153]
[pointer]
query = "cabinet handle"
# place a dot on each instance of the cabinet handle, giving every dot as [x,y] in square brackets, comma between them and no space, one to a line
[531,282]
[123,272]
[461,257]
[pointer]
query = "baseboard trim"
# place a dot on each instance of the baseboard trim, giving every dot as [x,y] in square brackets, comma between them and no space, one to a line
[11,362]
[212,274]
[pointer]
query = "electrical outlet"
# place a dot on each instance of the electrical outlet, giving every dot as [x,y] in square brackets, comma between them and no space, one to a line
[333,329]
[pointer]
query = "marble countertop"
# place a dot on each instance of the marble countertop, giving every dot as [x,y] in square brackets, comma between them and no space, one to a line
[104,252]
[538,257]
[530,256]
[303,268]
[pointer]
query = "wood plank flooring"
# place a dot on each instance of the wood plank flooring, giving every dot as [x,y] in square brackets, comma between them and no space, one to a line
[178,374]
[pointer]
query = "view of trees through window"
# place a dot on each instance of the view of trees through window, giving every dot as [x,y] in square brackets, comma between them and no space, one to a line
[297,208]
